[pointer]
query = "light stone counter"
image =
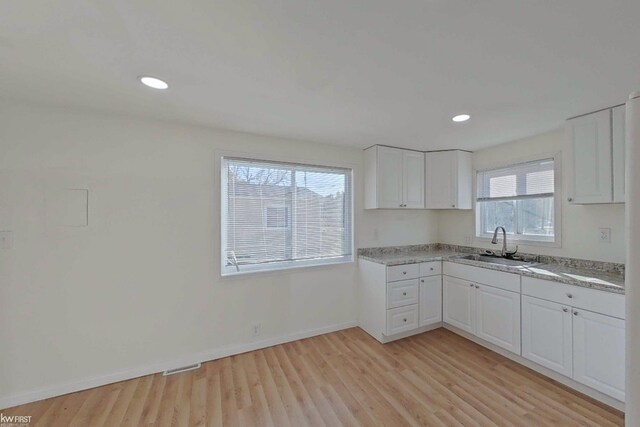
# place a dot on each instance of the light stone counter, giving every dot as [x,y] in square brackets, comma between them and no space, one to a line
[607,277]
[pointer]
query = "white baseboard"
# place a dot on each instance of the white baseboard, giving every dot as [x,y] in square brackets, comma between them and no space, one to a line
[153,368]
[569,382]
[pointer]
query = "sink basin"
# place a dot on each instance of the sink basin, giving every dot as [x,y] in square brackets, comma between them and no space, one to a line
[498,260]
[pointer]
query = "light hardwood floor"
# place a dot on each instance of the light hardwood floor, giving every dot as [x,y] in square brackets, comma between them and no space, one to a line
[343,378]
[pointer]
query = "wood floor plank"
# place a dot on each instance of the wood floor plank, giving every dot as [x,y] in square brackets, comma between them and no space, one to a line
[344,378]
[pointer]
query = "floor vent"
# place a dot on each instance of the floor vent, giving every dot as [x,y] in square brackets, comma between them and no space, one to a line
[182,369]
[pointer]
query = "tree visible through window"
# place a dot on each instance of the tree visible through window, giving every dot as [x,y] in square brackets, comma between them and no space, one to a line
[278,215]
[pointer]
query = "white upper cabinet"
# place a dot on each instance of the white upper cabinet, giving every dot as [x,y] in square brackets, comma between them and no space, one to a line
[388,173]
[413,179]
[595,157]
[394,178]
[618,136]
[448,180]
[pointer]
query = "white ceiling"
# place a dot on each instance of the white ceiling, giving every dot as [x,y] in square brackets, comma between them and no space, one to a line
[352,72]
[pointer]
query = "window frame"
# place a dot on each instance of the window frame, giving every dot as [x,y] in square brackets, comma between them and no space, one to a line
[525,240]
[283,266]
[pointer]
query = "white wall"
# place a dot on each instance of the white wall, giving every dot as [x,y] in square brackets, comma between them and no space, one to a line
[140,287]
[579,223]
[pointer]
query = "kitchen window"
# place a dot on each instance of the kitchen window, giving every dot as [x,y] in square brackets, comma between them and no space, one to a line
[278,215]
[522,199]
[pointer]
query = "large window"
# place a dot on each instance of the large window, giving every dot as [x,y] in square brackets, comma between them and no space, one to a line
[282,215]
[520,198]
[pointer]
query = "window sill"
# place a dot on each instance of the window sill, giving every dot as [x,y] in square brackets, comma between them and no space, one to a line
[282,267]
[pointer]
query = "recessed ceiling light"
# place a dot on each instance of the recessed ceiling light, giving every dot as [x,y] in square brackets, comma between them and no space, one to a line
[461,118]
[153,82]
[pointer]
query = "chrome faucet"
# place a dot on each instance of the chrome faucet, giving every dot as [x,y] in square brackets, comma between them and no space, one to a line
[504,252]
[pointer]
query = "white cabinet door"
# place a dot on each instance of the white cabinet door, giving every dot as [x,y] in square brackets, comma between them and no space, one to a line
[547,334]
[448,180]
[618,135]
[498,317]
[459,303]
[413,179]
[599,352]
[430,300]
[440,182]
[390,177]
[589,173]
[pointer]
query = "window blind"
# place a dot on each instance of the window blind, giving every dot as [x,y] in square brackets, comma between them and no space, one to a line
[521,181]
[278,215]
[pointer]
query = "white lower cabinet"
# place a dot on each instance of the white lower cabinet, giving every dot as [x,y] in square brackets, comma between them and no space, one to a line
[404,292]
[586,346]
[547,334]
[400,300]
[498,317]
[488,312]
[598,352]
[459,303]
[402,319]
[575,331]
[430,300]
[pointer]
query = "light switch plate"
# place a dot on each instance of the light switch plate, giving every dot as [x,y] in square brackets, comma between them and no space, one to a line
[604,235]
[6,240]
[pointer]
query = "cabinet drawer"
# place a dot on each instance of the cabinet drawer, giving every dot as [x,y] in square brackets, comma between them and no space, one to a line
[430,268]
[588,299]
[404,292]
[497,279]
[403,272]
[402,319]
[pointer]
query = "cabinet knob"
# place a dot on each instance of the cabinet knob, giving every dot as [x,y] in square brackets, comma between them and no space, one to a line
[565,309]
[404,319]
[477,287]
[569,295]
[570,199]
[471,285]
[404,272]
[453,206]
[404,293]
[422,281]
[431,268]
[575,312]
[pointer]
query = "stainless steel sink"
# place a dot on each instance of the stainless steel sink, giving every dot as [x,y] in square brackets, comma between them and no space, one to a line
[499,260]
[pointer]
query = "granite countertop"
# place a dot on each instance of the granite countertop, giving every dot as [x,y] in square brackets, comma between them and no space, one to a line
[411,257]
[577,274]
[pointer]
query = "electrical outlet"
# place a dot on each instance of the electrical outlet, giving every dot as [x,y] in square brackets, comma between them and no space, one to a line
[256,329]
[604,235]
[6,239]
[468,239]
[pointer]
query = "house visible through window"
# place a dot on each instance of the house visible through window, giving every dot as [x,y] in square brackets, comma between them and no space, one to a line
[520,198]
[282,215]
[277,217]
